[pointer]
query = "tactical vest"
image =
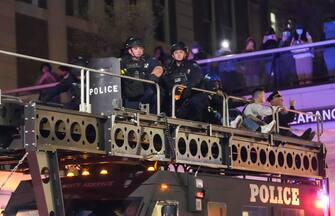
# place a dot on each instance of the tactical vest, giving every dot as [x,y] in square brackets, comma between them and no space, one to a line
[176,75]
[135,68]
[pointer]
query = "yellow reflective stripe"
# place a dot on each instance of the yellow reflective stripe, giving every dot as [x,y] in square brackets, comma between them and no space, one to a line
[123,72]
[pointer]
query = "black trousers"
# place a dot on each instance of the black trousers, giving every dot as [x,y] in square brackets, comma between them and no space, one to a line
[149,97]
[193,108]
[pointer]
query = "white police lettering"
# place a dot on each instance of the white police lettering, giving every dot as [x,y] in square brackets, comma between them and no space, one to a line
[287,195]
[264,194]
[104,89]
[327,114]
[274,194]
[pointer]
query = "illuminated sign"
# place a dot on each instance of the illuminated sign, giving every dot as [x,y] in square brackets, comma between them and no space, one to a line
[327,114]
[268,194]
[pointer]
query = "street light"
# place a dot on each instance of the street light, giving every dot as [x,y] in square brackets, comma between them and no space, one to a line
[225,44]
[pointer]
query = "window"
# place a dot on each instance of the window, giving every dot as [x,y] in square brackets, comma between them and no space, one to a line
[38,3]
[35,46]
[172,21]
[217,209]
[202,23]
[159,9]
[77,8]
[291,212]
[255,211]
[267,211]
[166,208]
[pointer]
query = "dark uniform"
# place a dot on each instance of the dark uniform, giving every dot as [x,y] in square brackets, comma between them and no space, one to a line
[189,104]
[136,92]
[212,82]
[69,83]
[285,118]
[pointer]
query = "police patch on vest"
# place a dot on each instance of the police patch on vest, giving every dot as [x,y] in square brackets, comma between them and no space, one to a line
[269,194]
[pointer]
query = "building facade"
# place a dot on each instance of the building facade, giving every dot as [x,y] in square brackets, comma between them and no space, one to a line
[46,28]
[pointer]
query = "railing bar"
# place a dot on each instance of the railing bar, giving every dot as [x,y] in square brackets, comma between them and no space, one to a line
[29,89]
[265,52]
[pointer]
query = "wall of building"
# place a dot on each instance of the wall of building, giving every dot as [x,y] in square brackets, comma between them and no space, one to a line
[8,72]
[183,20]
[33,29]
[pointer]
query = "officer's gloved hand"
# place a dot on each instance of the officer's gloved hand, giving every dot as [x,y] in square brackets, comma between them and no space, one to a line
[187,93]
[153,78]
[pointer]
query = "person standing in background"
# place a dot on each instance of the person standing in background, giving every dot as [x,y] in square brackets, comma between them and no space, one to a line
[250,67]
[287,75]
[270,41]
[303,57]
[46,77]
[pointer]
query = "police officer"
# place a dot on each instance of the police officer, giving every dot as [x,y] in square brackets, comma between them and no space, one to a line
[212,82]
[189,104]
[69,83]
[136,63]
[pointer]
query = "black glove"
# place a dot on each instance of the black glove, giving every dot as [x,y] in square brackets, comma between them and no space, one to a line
[187,93]
[153,78]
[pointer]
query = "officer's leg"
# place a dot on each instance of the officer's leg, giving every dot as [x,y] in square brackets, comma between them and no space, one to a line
[233,113]
[182,109]
[150,98]
[166,104]
[132,104]
[197,105]
[71,105]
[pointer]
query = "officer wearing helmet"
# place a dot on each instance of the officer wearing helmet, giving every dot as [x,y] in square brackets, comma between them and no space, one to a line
[136,63]
[212,82]
[188,73]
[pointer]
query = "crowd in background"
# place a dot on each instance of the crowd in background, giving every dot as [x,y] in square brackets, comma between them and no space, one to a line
[285,69]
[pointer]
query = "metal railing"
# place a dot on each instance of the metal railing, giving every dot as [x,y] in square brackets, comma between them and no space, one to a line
[279,68]
[29,89]
[85,105]
[3,96]
[319,122]
[266,52]
[227,106]
[173,114]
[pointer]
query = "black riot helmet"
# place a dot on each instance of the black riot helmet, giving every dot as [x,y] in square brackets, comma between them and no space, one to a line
[179,46]
[79,61]
[212,82]
[132,42]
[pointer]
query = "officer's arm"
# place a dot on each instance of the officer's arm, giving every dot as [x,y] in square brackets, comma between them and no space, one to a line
[291,115]
[196,76]
[157,71]
[59,88]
